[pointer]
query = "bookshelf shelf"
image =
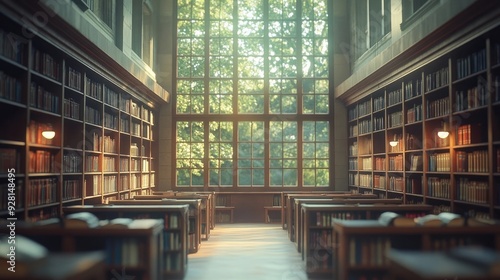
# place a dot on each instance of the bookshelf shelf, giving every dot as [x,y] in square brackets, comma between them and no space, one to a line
[459,90]
[47,83]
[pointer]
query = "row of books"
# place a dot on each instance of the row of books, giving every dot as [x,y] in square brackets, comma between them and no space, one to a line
[134,150]
[124,125]
[171,241]
[472,190]
[469,134]
[413,185]
[124,182]
[395,119]
[108,164]
[126,252]
[475,161]
[438,187]
[171,221]
[366,163]
[396,163]
[108,144]
[93,89]
[378,123]
[135,109]
[110,97]
[472,63]
[438,79]
[394,97]
[471,98]
[92,163]
[353,130]
[12,46]
[93,115]
[365,180]
[145,180]
[42,191]
[43,99]
[353,179]
[11,88]
[413,89]
[439,162]
[72,163]
[110,121]
[412,142]
[378,103]
[110,184]
[379,181]
[93,185]
[437,108]
[124,164]
[173,262]
[71,189]
[380,163]
[41,161]
[74,79]
[45,64]
[369,251]
[135,129]
[364,108]
[326,219]
[415,162]
[321,240]
[135,182]
[414,114]
[71,109]
[135,164]
[396,183]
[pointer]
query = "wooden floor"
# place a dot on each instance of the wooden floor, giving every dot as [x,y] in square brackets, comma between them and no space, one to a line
[246,252]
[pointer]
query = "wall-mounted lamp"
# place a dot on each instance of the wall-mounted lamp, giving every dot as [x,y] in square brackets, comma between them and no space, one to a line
[444,131]
[48,132]
[394,142]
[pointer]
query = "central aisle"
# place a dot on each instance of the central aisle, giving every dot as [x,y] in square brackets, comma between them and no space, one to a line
[246,252]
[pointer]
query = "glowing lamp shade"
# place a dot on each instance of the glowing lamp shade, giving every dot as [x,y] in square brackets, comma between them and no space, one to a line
[48,134]
[443,134]
[394,142]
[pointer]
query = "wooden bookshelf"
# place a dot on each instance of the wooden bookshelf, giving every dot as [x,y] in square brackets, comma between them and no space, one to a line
[298,221]
[318,229]
[175,230]
[290,202]
[195,215]
[359,247]
[206,211]
[458,90]
[134,250]
[47,83]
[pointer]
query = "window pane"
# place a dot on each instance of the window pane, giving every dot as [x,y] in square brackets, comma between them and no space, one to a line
[262,67]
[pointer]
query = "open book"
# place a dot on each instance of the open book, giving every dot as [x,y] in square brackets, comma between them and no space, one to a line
[81,220]
[118,223]
[442,219]
[393,219]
